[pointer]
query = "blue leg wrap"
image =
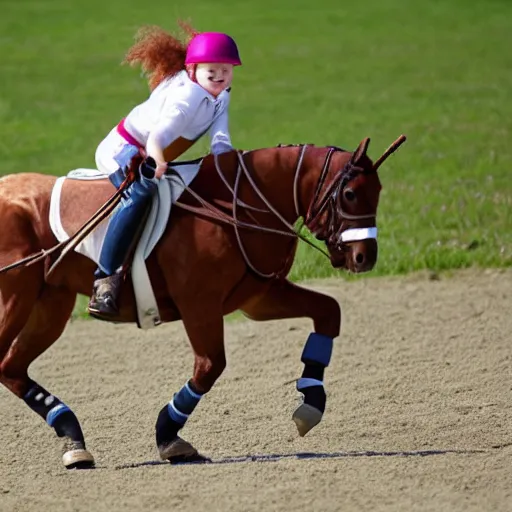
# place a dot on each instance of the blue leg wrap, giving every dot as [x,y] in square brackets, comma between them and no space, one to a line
[183,404]
[45,404]
[318,349]
[57,414]
[54,413]
[124,223]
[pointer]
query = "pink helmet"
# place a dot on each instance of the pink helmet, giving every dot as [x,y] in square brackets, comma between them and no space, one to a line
[212,47]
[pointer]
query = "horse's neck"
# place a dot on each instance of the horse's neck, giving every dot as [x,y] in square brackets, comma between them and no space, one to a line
[311,169]
[305,169]
[274,170]
[288,177]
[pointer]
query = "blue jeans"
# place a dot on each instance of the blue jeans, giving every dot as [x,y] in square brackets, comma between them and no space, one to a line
[124,225]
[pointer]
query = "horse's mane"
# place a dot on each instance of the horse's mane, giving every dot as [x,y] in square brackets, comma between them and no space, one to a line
[311,145]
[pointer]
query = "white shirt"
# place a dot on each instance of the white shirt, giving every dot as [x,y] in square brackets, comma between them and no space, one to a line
[179,107]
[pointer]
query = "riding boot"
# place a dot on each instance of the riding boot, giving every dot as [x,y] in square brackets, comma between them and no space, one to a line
[119,238]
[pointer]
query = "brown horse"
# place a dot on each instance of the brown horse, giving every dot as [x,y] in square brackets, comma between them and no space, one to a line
[201,270]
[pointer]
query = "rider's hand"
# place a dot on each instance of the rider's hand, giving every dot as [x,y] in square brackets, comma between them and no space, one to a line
[160,170]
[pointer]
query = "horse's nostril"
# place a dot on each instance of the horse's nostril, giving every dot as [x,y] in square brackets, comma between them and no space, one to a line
[359,258]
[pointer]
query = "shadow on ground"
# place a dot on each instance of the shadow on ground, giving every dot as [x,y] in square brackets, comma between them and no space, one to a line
[275,457]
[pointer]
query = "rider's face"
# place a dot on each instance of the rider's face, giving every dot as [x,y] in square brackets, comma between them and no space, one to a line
[214,77]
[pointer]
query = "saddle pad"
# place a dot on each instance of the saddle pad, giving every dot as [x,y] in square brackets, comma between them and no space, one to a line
[156,223]
[86,174]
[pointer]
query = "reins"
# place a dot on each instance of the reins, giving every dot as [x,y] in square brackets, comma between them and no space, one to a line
[208,210]
[212,212]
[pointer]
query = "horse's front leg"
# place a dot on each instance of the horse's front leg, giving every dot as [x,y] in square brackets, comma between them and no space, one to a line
[205,330]
[286,300]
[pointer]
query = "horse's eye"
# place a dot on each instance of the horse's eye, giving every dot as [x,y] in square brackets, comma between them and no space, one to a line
[349,194]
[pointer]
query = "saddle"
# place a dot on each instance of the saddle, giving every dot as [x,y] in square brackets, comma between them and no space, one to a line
[76,196]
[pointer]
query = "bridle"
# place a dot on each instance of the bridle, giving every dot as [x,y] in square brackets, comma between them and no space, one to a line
[331,200]
[317,207]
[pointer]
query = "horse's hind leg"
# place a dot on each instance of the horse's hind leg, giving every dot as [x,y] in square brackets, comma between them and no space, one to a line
[286,300]
[44,325]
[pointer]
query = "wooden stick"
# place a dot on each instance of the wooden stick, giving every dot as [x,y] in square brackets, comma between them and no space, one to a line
[398,142]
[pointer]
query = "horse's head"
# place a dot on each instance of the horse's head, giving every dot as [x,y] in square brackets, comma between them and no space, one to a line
[343,211]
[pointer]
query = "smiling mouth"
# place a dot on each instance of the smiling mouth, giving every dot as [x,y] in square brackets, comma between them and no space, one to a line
[216,81]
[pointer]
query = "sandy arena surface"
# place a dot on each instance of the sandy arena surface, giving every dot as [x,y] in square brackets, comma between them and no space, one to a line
[419,410]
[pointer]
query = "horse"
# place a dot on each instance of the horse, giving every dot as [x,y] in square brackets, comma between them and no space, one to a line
[202,269]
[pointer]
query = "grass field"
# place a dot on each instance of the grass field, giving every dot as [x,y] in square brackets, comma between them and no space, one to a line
[328,72]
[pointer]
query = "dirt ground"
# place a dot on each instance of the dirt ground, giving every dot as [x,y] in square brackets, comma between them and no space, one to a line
[419,410]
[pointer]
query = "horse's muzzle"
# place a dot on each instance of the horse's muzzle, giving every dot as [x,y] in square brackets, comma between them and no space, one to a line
[362,255]
[357,257]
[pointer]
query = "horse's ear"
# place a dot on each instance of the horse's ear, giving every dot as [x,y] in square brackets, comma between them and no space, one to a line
[361,150]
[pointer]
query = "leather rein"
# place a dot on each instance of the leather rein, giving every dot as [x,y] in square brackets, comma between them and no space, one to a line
[328,200]
[316,209]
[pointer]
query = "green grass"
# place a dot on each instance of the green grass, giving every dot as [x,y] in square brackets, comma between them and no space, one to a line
[327,72]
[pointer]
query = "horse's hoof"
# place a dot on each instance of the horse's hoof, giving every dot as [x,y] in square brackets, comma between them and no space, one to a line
[78,459]
[179,451]
[306,417]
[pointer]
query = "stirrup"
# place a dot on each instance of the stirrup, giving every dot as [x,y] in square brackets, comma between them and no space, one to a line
[104,296]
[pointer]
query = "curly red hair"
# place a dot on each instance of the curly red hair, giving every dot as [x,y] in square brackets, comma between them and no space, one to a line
[159,53]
